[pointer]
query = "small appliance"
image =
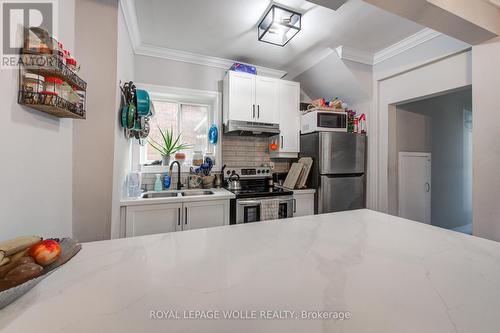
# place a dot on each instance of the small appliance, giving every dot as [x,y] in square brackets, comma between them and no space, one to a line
[326,121]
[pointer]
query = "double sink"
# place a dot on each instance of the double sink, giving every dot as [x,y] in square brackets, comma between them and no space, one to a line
[176,194]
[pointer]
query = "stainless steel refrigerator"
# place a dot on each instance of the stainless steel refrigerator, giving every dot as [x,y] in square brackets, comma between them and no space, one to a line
[338,171]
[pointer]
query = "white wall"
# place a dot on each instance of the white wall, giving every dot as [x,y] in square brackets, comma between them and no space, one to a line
[486,150]
[165,72]
[122,155]
[36,150]
[93,145]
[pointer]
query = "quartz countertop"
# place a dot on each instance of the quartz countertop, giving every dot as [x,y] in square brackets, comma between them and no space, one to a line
[388,274]
[219,194]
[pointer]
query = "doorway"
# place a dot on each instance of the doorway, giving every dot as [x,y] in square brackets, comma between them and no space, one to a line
[441,127]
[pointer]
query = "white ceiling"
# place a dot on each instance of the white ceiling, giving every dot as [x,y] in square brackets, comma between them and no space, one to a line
[228,29]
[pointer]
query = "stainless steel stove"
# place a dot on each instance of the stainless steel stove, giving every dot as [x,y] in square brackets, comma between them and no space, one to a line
[254,191]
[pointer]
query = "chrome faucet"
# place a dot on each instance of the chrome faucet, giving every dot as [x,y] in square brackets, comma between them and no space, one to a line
[179,184]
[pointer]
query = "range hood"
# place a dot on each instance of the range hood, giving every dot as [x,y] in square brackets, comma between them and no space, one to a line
[248,128]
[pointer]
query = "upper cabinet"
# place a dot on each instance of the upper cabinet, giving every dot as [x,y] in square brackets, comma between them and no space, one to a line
[250,97]
[288,142]
[266,99]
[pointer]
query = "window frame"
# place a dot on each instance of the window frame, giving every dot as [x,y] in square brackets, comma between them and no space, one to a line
[211,99]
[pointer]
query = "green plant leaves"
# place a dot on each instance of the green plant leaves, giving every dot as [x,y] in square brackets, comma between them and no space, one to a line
[170,145]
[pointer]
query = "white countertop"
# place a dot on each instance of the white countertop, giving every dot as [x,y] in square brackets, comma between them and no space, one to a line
[301,191]
[219,194]
[391,274]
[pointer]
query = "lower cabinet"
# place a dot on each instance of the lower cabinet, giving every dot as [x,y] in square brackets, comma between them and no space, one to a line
[303,204]
[205,214]
[154,219]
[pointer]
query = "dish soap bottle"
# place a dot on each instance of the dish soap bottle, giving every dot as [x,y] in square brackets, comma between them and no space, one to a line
[213,134]
[158,185]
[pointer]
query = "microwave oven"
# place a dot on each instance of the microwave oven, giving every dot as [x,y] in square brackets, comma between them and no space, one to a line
[323,121]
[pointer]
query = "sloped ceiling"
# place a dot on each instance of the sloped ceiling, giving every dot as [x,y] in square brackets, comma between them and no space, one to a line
[228,29]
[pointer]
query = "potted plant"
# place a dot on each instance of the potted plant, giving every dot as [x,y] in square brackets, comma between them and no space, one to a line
[170,145]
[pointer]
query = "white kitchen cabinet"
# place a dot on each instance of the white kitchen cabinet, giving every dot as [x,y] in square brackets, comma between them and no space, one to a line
[250,97]
[288,141]
[205,214]
[303,204]
[161,218]
[266,99]
[239,96]
[153,219]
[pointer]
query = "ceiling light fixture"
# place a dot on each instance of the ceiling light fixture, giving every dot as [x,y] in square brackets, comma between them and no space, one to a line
[279,25]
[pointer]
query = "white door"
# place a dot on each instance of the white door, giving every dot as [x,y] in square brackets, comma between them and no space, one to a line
[289,115]
[205,214]
[242,96]
[415,186]
[303,204]
[153,219]
[266,99]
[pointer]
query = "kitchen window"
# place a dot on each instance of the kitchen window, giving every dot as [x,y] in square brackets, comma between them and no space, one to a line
[187,112]
[191,121]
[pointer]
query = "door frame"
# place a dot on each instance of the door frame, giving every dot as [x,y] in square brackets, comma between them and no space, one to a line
[415,154]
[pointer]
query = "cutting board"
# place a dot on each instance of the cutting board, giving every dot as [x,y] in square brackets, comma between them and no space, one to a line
[307,163]
[293,175]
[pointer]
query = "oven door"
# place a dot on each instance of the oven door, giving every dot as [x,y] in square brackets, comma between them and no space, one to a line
[248,210]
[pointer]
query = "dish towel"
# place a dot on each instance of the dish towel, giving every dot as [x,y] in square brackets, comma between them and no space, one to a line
[269,209]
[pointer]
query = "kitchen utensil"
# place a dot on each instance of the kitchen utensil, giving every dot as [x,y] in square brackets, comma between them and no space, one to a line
[143,103]
[222,174]
[234,182]
[306,168]
[218,180]
[293,176]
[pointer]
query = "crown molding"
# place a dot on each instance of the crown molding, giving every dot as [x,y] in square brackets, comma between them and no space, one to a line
[347,53]
[140,48]
[406,44]
[199,59]
[130,15]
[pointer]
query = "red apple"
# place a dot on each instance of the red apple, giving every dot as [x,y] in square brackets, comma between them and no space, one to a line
[45,252]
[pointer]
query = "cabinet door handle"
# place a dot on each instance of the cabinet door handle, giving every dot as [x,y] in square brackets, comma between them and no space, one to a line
[253,111]
[179,217]
[427,187]
[185,215]
[258,111]
[294,206]
[282,142]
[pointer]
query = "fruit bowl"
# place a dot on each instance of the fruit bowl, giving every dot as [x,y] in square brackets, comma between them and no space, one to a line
[69,248]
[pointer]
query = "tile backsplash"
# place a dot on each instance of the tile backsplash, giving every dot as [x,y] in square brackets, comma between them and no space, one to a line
[239,151]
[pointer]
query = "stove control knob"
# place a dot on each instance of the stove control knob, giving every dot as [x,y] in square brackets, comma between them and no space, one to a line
[267,171]
[228,172]
[258,171]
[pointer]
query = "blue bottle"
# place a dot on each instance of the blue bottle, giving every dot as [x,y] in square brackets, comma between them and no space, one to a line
[166,181]
[213,134]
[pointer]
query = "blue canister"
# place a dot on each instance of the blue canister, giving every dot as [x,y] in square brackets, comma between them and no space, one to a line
[213,134]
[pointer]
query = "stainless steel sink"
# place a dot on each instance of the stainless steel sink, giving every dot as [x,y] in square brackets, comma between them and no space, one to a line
[155,195]
[196,193]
